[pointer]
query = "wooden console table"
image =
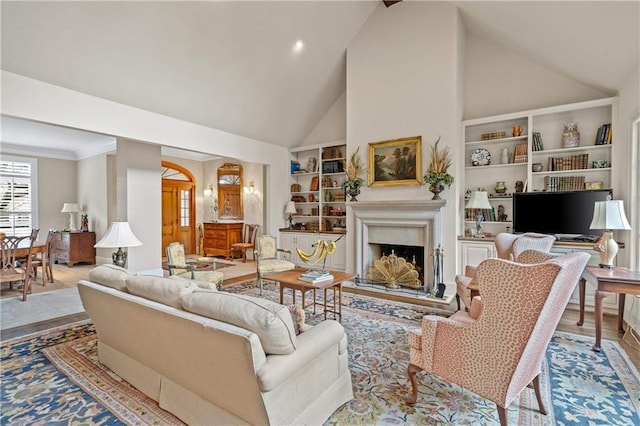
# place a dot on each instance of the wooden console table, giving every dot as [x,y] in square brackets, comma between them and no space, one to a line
[617,280]
[74,247]
[219,237]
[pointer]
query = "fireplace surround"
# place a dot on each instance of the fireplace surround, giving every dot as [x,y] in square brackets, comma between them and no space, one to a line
[408,223]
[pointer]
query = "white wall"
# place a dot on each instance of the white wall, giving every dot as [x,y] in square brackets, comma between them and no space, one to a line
[402,80]
[333,126]
[499,81]
[92,193]
[140,201]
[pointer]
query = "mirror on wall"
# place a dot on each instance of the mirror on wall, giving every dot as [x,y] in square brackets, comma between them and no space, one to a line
[230,191]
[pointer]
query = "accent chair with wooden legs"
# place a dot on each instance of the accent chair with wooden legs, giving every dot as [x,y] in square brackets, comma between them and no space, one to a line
[178,266]
[496,349]
[268,258]
[508,246]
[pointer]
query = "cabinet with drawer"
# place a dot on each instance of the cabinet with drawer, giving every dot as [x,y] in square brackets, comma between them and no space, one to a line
[74,247]
[219,236]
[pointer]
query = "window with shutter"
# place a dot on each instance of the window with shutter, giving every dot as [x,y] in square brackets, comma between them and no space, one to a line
[17,206]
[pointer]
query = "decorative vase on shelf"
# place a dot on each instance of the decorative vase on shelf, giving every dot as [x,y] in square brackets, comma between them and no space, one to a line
[501,188]
[436,188]
[570,136]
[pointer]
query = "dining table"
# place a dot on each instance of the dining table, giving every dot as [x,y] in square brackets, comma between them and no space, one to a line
[23,248]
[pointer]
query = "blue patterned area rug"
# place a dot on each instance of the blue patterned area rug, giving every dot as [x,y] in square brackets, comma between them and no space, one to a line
[54,377]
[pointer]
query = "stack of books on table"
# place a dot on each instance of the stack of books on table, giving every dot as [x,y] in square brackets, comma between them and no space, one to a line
[315,277]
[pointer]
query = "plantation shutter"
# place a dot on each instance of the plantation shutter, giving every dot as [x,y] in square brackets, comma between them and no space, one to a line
[16,191]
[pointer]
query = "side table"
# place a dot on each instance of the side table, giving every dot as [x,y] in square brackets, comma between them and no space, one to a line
[617,280]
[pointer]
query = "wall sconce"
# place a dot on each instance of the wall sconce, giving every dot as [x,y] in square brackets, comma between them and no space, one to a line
[250,190]
[208,192]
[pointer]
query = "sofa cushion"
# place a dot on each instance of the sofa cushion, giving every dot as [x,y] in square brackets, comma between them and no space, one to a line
[162,290]
[206,285]
[269,320]
[111,276]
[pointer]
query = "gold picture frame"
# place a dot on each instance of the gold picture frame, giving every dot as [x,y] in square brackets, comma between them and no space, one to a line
[396,162]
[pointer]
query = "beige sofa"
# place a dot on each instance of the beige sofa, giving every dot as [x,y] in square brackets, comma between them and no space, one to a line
[208,371]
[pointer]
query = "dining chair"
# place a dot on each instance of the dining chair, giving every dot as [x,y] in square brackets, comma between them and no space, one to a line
[249,234]
[12,271]
[178,265]
[44,260]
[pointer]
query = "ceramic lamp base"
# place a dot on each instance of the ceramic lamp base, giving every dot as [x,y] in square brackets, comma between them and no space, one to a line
[610,250]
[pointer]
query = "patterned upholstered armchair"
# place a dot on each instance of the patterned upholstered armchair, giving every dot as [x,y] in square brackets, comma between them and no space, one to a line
[509,247]
[496,349]
[268,258]
[177,264]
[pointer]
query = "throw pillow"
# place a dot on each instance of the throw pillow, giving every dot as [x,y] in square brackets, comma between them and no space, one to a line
[162,290]
[299,317]
[270,321]
[111,276]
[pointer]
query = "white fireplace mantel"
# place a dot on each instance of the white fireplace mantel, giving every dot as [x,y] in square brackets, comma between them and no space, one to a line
[418,220]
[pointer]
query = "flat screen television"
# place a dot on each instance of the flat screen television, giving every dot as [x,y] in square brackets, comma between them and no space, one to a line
[566,214]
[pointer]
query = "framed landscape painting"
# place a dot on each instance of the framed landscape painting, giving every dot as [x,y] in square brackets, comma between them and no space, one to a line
[396,162]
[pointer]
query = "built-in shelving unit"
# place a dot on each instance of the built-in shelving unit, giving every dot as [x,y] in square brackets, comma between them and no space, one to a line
[316,187]
[582,167]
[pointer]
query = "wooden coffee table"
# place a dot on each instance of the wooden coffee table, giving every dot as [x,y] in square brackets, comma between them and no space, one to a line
[289,279]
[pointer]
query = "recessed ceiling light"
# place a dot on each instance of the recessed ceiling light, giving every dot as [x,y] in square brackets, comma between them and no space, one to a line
[298,46]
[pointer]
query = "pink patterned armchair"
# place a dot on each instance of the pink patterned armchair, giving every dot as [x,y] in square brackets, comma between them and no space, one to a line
[496,349]
[509,247]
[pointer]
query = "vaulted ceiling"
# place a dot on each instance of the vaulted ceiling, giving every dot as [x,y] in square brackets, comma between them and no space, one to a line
[234,66]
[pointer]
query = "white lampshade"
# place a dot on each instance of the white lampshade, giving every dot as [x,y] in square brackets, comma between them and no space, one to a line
[609,215]
[290,207]
[72,209]
[119,235]
[478,200]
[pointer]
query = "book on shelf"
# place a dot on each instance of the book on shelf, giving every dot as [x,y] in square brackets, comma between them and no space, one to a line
[537,142]
[603,136]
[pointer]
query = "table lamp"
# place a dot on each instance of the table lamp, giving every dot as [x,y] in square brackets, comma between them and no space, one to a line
[608,216]
[290,209]
[479,200]
[119,235]
[72,209]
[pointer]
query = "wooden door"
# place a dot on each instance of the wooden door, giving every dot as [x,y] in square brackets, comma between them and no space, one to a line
[170,215]
[178,207]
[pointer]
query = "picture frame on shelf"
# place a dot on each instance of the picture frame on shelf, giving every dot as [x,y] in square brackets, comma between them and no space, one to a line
[395,162]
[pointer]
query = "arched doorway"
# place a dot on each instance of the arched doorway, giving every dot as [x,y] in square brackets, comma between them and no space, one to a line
[178,207]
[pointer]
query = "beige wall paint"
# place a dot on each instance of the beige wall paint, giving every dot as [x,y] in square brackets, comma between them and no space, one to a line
[57,184]
[402,80]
